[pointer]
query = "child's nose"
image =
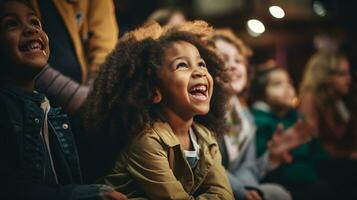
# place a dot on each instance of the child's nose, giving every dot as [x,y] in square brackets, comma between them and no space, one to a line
[30,30]
[198,73]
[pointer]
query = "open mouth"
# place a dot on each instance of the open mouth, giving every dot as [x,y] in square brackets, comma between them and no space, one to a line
[238,76]
[32,46]
[199,92]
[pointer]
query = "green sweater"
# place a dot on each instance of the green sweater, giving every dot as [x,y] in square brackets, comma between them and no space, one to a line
[303,168]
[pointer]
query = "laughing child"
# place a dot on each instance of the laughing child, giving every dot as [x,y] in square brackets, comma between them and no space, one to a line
[38,154]
[238,148]
[156,96]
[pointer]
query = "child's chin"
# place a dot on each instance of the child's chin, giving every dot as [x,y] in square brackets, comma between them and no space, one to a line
[288,106]
[203,111]
[31,69]
[36,66]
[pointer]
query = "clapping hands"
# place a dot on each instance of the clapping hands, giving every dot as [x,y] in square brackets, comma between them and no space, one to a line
[283,142]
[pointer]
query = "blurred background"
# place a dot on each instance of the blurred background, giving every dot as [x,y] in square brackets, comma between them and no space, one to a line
[285,31]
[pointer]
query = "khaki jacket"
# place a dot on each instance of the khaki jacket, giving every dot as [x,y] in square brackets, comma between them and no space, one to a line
[94,35]
[154,167]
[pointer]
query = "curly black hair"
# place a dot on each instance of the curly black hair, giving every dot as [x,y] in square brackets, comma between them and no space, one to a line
[120,106]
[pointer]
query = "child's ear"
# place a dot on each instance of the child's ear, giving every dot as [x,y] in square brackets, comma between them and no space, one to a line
[157,96]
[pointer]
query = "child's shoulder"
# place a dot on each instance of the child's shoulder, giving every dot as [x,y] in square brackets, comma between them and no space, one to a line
[160,136]
[203,132]
[154,140]
[262,116]
[157,133]
[9,101]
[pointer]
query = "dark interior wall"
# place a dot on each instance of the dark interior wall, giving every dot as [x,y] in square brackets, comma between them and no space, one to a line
[294,36]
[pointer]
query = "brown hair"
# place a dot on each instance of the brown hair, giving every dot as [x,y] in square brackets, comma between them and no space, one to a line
[228,36]
[120,105]
[318,72]
[164,15]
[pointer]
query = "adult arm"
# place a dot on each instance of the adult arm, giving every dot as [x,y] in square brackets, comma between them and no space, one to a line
[102,33]
[308,108]
[61,90]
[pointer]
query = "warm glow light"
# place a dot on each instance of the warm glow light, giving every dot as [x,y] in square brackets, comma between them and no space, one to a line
[319,9]
[255,27]
[276,12]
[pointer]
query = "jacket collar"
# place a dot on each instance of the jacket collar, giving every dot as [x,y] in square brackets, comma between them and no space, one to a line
[261,105]
[22,94]
[164,131]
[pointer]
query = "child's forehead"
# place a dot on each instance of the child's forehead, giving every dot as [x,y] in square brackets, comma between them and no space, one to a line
[278,74]
[181,46]
[15,8]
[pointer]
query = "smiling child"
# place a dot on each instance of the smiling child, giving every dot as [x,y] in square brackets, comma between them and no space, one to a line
[38,155]
[156,96]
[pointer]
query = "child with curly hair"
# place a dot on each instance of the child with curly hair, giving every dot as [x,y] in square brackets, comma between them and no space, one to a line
[156,97]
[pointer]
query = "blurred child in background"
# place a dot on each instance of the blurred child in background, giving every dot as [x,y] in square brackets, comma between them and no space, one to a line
[325,85]
[272,94]
[245,171]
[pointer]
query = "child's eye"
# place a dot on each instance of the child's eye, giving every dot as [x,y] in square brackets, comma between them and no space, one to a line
[10,24]
[276,83]
[202,64]
[224,57]
[36,23]
[181,64]
[238,61]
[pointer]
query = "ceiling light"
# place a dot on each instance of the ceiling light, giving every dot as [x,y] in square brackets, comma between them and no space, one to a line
[319,8]
[255,27]
[276,12]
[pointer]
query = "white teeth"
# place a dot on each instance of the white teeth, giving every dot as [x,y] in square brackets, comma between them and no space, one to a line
[201,88]
[35,45]
[32,46]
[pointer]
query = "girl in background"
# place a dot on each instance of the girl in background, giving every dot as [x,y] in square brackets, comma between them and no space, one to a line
[324,88]
[245,171]
[325,82]
[272,95]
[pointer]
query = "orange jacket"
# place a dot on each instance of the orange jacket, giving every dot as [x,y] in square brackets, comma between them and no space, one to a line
[94,36]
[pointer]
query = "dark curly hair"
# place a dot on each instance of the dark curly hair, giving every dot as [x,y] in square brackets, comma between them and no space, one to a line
[120,106]
[260,82]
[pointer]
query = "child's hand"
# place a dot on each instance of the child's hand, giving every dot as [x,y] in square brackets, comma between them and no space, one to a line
[277,149]
[252,195]
[114,195]
[298,134]
[284,141]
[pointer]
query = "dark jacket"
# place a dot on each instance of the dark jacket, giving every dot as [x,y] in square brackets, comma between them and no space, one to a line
[25,164]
